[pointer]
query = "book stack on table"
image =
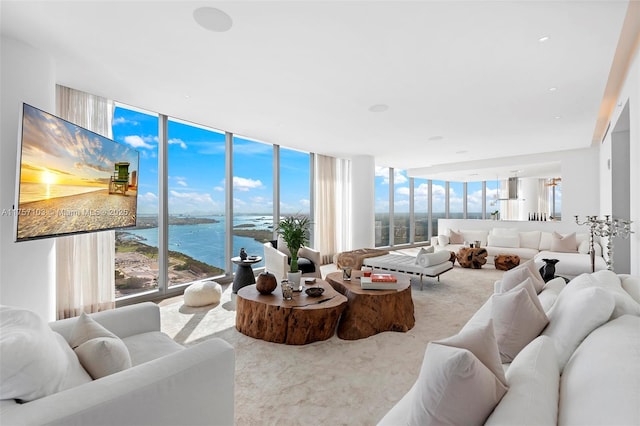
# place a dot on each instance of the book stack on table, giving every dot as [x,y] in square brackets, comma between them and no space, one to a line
[379,281]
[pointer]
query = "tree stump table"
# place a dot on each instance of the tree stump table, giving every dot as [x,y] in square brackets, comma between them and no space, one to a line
[370,312]
[472,257]
[504,262]
[299,321]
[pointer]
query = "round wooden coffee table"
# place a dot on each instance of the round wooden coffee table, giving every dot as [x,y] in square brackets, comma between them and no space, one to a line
[299,321]
[373,311]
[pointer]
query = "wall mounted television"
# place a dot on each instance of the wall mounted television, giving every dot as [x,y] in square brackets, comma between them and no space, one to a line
[71,180]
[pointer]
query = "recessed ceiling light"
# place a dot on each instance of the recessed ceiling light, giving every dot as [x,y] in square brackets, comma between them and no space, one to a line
[212,19]
[461,152]
[378,108]
[436,138]
[557,117]
[553,89]
[543,39]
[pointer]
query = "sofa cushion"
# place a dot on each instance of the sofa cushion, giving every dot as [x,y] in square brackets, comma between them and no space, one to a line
[534,379]
[452,377]
[631,284]
[34,360]
[422,253]
[600,383]
[570,265]
[564,243]
[545,241]
[550,292]
[518,318]
[145,347]
[576,313]
[515,276]
[610,282]
[101,352]
[443,240]
[530,239]
[509,241]
[504,232]
[473,235]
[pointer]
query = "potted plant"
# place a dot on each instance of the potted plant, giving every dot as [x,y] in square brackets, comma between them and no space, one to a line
[294,230]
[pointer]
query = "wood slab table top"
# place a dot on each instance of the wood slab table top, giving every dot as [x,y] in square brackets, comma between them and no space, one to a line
[299,321]
[370,312]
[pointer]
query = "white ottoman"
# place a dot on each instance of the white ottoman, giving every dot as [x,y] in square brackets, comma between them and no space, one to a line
[202,293]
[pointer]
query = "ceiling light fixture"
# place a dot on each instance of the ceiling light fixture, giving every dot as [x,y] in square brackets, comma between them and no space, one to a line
[378,108]
[435,138]
[543,39]
[212,19]
[553,89]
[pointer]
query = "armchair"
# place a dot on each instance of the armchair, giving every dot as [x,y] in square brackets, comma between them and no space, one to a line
[276,260]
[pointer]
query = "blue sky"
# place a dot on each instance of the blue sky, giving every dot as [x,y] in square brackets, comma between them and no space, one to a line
[196,163]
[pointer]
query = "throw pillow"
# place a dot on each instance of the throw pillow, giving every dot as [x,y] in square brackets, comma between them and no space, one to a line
[34,362]
[518,318]
[421,257]
[515,276]
[443,240]
[455,238]
[283,247]
[574,315]
[612,284]
[533,379]
[530,239]
[504,232]
[564,244]
[101,352]
[509,241]
[454,386]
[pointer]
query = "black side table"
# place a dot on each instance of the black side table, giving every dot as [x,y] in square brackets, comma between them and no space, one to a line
[244,273]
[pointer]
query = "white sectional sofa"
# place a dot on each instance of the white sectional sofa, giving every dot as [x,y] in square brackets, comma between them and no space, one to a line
[583,367]
[159,383]
[538,245]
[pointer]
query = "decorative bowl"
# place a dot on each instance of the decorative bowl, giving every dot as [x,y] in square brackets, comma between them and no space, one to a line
[314,291]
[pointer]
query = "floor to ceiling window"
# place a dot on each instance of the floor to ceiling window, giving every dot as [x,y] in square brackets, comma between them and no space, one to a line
[136,260]
[382,179]
[295,197]
[492,200]
[438,198]
[421,209]
[196,203]
[474,200]
[401,213]
[456,200]
[252,195]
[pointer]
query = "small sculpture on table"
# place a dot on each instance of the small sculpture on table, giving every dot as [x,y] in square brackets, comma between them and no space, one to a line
[243,254]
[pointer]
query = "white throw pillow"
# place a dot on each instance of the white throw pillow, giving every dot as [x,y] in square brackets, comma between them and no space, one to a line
[455,238]
[515,276]
[454,387]
[574,315]
[34,360]
[423,251]
[101,352]
[610,282]
[504,232]
[282,246]
[443,240]
[530,239]
[564,243]
[518,318]
[472,236]
[545,241]
[534,379]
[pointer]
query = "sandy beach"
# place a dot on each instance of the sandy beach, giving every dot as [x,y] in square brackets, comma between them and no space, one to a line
[89,211]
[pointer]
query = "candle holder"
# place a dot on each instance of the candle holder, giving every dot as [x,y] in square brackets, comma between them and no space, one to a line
[607,228]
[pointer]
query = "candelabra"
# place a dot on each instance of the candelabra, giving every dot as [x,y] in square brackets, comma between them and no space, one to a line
[607,228]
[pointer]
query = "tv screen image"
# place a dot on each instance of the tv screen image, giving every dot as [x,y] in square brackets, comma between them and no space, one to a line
[71,180]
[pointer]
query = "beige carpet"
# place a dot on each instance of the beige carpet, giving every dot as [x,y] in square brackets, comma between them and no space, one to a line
[334,382]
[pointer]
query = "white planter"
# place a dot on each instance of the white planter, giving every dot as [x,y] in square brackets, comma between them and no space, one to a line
[294,279]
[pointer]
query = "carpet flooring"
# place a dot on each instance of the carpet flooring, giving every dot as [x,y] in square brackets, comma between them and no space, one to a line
[333,382]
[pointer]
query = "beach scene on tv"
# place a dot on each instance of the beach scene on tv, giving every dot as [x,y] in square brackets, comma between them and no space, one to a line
[72,180]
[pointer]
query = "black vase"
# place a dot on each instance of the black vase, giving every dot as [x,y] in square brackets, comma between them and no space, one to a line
[548,270]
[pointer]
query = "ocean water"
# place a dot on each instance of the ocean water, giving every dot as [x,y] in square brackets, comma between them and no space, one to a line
[205,242]
[41,191]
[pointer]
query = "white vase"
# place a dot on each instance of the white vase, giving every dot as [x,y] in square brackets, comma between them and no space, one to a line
[294,279]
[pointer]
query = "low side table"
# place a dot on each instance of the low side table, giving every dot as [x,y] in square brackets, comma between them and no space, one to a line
[244,272]
[371,312]
[299,321]
[472,257]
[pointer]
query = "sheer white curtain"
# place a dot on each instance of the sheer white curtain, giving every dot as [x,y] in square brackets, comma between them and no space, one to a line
[85,279]
[332,215]
[543,196]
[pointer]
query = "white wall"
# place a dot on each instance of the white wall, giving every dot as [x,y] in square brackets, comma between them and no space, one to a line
[630,93]
[580,183]
[27,269]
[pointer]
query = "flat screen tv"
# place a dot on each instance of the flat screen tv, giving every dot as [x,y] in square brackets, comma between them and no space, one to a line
[71,180]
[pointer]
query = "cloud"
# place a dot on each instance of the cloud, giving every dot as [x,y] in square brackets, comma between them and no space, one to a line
[399,176]
[218,188]
[180,180]
[122,120]
[176,141]
[245,184]
[136,141]
[403,190]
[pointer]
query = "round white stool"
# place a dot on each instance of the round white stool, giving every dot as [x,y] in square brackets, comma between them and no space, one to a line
[202,293]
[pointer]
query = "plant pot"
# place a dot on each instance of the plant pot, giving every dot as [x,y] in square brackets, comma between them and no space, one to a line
[294,279]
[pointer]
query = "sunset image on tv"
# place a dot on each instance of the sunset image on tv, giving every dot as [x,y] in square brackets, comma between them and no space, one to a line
[72,180]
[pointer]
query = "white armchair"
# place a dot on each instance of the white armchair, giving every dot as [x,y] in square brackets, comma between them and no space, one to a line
[276,260]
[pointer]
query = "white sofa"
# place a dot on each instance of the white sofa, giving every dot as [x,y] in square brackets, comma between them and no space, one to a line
[527,245]
[167,384]
[583,368]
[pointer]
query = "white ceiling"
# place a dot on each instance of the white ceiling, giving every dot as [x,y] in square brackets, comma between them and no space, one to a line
[464,81]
